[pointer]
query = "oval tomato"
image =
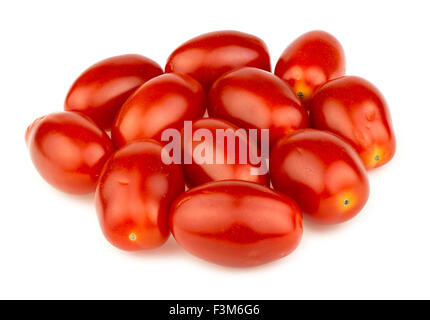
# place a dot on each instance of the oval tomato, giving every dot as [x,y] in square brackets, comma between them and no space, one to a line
[68,150]
[133,196]
[322,173]
[236,223]
[163,102]
[254,98]
[212,148]
[208,56]
[102,89]
[355,109]
[310,61]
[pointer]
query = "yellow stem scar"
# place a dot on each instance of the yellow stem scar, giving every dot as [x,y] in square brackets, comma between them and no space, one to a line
[132,236]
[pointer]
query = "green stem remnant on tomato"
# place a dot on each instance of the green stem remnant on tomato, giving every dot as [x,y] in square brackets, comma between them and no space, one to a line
[300,94]
[346,202]
[377,157]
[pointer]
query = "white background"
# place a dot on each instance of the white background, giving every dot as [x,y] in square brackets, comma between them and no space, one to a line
[50,243]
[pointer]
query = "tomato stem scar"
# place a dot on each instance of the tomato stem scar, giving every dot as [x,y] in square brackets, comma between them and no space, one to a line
[377,157]
[346,202]
[300,94]
[132,236]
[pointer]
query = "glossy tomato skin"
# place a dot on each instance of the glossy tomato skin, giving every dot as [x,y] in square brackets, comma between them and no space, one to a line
[231,167]
[210,55]
[354,109]
[163,102]
[69,150]
[134,194]
[252,98]
[102,89]
[322,173]
[310,61]
[236,223]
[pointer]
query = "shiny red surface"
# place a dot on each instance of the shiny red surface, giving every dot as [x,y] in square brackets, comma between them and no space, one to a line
[322,173]
[163,102]
[209,55]
[355,109]
[102,89]
[134,194]
[68,150]
[197,174]
[236,223]
[310,61]
[254,98]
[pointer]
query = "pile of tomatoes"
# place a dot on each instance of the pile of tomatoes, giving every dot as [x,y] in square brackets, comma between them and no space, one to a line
[325,131]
